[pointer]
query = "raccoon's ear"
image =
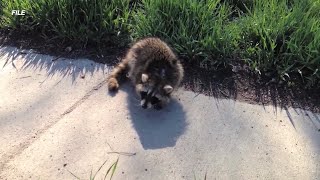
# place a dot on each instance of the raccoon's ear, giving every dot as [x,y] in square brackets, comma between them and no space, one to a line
[144,78]
[168,89]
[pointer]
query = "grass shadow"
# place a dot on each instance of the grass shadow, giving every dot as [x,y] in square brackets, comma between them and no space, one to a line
[81,68]
[217,83]
[232,82]
[239,83]
[283,96]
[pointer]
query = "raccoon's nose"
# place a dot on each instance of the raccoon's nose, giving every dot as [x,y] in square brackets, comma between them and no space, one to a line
[143,104]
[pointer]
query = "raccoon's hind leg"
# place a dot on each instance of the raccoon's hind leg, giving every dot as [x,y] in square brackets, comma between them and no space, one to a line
[116,75]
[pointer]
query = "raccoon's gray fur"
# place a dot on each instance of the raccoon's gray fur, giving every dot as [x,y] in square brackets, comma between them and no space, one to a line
[153,68]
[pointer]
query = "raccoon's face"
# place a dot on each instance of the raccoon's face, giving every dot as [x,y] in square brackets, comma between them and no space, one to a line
[152,94]
[148,99]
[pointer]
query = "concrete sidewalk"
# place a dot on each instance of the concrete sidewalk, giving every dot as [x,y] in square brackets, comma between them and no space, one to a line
[57,116]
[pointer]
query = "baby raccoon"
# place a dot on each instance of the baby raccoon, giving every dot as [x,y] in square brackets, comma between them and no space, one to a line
[153,68]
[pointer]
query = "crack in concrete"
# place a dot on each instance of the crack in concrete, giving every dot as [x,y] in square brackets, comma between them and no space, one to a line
[6,158]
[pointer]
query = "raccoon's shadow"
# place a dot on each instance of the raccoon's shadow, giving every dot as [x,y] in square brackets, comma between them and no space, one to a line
[156,128]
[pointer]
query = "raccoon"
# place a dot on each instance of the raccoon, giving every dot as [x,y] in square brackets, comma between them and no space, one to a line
[153,68]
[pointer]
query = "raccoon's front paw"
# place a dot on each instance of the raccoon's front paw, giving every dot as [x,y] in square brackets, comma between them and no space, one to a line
[157,106]
[113,84]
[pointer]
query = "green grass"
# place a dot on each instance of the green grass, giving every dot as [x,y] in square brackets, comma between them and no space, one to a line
[111,170]
[79,20]
[277,36]
[197,29]
[283,38]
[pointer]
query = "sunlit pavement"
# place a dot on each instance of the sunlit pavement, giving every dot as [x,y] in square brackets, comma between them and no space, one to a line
[58,119]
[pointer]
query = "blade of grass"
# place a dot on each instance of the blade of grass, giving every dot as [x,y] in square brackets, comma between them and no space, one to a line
[112,166]
[73,174]
[99,168]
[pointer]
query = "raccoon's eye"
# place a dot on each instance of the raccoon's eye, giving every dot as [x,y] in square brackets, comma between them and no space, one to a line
[154,100]
[143,94]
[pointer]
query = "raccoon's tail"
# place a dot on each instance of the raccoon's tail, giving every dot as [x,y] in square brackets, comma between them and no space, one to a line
[116,75]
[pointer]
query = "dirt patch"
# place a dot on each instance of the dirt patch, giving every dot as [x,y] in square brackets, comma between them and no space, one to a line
[62,47]
[248,87]
[236,82]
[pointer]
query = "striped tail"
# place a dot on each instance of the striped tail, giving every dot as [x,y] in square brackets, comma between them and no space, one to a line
[117,73]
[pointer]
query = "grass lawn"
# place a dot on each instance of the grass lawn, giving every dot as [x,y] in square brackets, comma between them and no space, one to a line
[278,38]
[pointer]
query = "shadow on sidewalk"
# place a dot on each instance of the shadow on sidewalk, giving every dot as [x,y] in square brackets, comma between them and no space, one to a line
[156,129]
[60,66]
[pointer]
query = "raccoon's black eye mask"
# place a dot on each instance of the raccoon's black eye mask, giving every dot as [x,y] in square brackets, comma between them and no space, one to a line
[153,99]
[143,94]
